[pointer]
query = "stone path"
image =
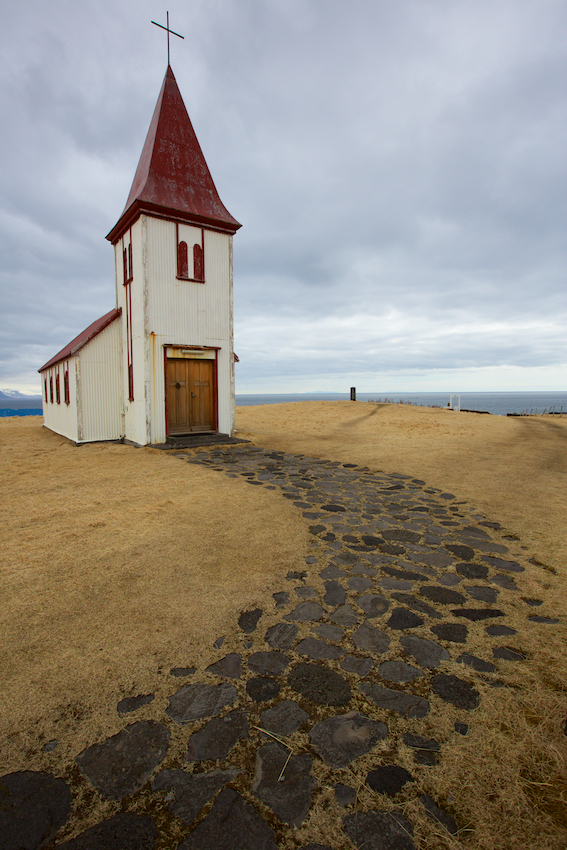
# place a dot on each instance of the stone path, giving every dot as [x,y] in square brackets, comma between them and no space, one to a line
[317,696]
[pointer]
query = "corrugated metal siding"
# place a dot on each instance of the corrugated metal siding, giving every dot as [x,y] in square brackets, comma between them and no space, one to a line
[62,418]
[101,385]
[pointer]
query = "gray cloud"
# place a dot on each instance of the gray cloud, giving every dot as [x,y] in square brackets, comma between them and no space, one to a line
[398,168]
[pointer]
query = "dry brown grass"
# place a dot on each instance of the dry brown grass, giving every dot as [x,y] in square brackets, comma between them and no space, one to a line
[120,563]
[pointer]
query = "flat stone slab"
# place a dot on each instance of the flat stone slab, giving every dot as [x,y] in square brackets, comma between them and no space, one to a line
[281,636]
[499,631]
[395,584]
[539,618]
[125,706]
[123,763]
[345,615]
[329,632]
[33,807]
[507,654]
[426,750]
[436,813]
[268,663]
[483,594]
[401,619]
[231,823]
[283,719]
[335,594]
[373,604]
[248,620]
[187,793]
[196,701]
[368,638]
[125,831]
[359,583]
[318,649]
[218,737]
[453,632]
[454,690]
[305,612]
[342,739]
[426,652]
[409,705]
[229,666]
[500,564]
[399,671]
[262,688]
[388,779]
[360,666]
[416,604]
[319,684]
[475,614]
[472,570]
[477,664]
[288,795]
[345,795]
[443,595]
[379,830]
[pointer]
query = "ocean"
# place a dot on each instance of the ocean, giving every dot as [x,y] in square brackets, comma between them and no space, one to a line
[499,404]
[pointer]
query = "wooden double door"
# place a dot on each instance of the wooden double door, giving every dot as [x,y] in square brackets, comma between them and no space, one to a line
[190,396]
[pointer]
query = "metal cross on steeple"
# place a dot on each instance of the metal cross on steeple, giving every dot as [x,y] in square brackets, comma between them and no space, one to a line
[168,31]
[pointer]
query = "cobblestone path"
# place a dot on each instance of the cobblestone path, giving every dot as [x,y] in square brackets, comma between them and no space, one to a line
[318,696]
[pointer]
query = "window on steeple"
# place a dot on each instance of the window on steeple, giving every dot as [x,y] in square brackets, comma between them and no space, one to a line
[190,253]
[182,261]
[198,265]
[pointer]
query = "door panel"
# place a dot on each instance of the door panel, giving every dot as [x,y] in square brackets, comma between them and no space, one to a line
[190,395]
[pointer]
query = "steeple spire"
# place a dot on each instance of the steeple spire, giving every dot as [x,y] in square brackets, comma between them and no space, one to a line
[172,179]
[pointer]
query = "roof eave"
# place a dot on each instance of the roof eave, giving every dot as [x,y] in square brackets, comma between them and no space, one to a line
[138,208]
[69,351]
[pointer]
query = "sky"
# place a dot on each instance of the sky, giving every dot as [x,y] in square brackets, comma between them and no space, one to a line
[398,168]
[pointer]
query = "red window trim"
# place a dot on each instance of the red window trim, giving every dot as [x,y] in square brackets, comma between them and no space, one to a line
[180,268]
[51,388]
[127,266]
[45,385]
[57,388]
[66,384]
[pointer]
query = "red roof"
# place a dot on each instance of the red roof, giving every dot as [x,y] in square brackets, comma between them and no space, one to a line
[76,344]
[172,178]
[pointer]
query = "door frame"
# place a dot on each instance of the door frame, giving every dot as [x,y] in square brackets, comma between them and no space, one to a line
[191,353]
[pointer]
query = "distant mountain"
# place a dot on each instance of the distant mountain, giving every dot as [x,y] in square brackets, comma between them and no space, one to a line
[16,394]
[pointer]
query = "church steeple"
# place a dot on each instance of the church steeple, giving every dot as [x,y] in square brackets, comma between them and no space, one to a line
[172,179]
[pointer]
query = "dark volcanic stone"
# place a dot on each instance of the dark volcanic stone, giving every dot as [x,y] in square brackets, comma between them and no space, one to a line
[472,570]
[345,615]
[261,688]
[181,672]
[432,559]
[334,593]
[454,632]
[373,604]
[477,613]
[306,592]
[426,652]
[371,540]
[219,642]
[408,575]
[342,739]
[379,830]
[359,583]
[329,632]
[449,579]
[483,594]
[407,704]
[388,779]
[368,638]
[319,684]
[305,612]
[360,666]
[217,737]
[315,649]
[401,535]
[344,794]
[125,762]
[435,813]
[281,598]
[507,566]
[460,551]
[395,584]
[231,823]
[33,807]
[401,618]
[442,594]
[281,636]
[229,666]
[477,664]
[289,797]
[193,702]
[507,654]
[461,728]
[187,793]
[338,509]
[537,618]
[426,750]
[497,631]
[284,718]
[125,831]
[268,663]
[416,604]
[454,690]
[248,620]
[296,575]
[125,706]
[332,572]
[399,671]
[504,581]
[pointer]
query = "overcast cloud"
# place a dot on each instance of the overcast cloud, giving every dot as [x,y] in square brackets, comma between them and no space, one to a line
[398,168]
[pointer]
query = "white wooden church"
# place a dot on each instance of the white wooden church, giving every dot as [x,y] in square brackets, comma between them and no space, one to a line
[161,363]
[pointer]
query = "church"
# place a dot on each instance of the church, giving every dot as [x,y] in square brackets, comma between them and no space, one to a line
[161,363]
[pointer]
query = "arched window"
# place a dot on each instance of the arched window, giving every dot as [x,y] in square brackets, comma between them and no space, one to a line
[57,388]
[182,261]
[198,265]
[66,384]
[51,388]
[45,385]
